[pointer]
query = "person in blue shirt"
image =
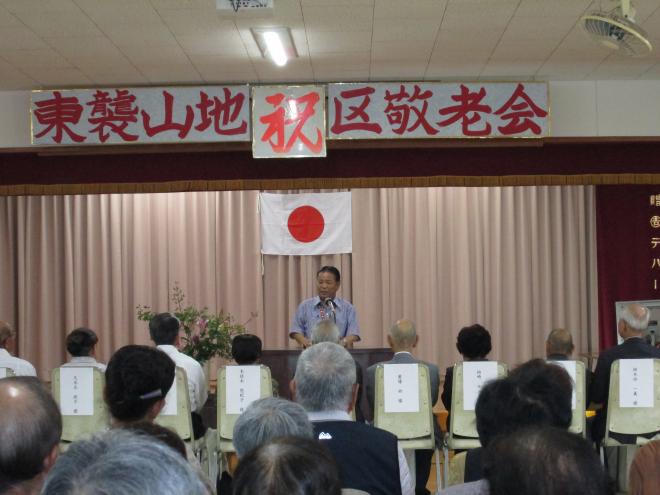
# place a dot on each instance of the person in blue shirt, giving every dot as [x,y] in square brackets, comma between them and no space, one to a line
[326,306]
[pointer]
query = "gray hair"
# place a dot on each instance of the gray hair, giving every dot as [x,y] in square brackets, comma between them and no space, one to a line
[636,317]
[269,418]
[325,331]
[120,462]
[324,379]
[403,333]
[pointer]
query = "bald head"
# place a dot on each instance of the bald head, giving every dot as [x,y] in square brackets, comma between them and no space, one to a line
[30,429]
[403,336]
[633,321]
[560,341]
[6,333]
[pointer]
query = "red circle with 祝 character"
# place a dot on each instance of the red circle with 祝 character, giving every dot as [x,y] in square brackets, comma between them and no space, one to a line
[306,223]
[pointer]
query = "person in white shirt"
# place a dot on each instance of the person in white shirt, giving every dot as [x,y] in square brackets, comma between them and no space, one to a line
[81,344]
[164,331]
[7,345]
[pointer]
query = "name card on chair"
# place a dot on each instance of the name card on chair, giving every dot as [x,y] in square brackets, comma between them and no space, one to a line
[636,383]
[77,391]
[243,387]
[171,399]
[475,375]
[401,388]
[570,368]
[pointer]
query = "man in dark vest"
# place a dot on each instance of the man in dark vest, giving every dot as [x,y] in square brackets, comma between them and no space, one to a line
[369,459]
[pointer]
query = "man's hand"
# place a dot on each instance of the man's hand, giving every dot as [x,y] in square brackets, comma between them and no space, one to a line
[302,340]
[348,341]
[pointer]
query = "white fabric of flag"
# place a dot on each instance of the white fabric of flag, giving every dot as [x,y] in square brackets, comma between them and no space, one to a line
[306,224]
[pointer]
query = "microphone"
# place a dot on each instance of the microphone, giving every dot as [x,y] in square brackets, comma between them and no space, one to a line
[331,305]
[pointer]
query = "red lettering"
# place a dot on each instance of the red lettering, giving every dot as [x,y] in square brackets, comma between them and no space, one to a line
[400,114]
[168,123]
[468,111]
[357,112]
[114,113]
[221,113]
[57,113]
[520,114]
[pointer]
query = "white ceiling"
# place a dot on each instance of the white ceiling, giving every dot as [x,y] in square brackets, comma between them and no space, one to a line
[83,43]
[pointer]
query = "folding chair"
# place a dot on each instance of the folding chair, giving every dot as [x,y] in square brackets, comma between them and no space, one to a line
[6,372]
[413,429]
[577,373]
[226,420]
[176,415]
[79,393]
[636,421]
[462,429]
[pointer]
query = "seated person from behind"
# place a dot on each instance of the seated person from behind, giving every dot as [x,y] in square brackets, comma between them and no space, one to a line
[120,462]
[137,380]
[7,346]
[81,344]
[264,420]
[30,431]
[164,331]
[632,326]
[369,458]
[645,470]
[559,347]
[403,339]
[544,461]
[536,393]
[327,331]
[246,351]
[474,344]
[287,466]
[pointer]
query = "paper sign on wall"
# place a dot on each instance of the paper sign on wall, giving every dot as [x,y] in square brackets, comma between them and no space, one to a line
[636,383]
[170,408]
[401,387]
[570,368]
[77,391]
[475,375]
[243,387]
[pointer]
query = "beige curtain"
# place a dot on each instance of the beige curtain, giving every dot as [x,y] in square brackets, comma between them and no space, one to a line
[520,260]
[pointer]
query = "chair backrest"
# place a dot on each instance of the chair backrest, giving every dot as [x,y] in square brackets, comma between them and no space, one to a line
[462,420]
[576,370]
[633,405]
[415,424]
[238,386]
[176,413]
[6,372]
[79,393]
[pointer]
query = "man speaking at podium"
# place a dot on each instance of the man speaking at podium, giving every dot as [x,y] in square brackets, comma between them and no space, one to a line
[326,306]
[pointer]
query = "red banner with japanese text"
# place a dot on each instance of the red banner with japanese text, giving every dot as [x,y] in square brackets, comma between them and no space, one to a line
[140,115]
[437,110]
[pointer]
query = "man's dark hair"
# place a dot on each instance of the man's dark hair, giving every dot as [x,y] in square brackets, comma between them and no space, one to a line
[136,378]
[288,466]
[534,394]
[165,435]
[473,342]
[246,348]
[164,328]
[30,427]
[330,269]
[544,461]
[81,341]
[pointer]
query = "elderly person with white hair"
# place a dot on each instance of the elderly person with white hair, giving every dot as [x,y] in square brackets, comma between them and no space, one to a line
[269,418]
[368,458]
[632,325]
[121,462]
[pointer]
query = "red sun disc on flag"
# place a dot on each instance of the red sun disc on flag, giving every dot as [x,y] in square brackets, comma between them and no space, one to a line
[306,223]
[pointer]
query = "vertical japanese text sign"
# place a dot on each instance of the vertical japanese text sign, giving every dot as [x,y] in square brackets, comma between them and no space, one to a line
[288,121]
[140,115]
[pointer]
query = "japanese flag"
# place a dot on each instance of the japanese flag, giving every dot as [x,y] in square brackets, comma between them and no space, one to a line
[306,223]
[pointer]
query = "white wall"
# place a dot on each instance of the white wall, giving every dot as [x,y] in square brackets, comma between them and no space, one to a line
[577,109]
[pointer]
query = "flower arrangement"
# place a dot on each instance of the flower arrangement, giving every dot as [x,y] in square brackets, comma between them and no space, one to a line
[205,334]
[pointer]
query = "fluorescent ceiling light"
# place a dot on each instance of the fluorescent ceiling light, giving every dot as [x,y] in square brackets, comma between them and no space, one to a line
[275,43]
